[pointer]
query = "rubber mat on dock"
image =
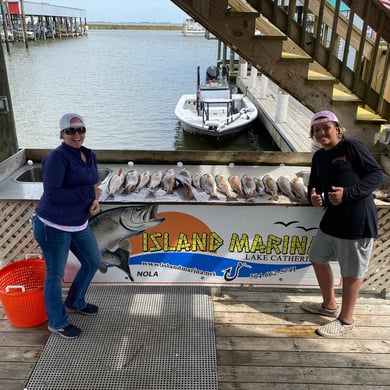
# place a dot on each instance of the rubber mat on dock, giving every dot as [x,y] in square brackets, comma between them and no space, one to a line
[143,338]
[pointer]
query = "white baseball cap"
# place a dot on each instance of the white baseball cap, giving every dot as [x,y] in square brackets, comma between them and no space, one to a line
[65,121]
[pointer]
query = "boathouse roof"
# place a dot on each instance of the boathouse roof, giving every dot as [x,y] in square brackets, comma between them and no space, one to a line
[45,9]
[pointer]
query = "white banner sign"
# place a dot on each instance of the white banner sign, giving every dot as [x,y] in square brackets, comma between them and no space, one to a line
[207,244]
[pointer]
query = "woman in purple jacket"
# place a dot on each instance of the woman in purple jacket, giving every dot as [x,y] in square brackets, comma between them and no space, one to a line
[70,196]
[342,180]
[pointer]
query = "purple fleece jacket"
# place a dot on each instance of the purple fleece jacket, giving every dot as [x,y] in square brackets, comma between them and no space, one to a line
[68,185]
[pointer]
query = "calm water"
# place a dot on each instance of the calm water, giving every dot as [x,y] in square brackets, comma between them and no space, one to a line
[126,84]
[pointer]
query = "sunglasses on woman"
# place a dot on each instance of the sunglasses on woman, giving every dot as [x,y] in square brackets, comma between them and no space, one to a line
[73,130]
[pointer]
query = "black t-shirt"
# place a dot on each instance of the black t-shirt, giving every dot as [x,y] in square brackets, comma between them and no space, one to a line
[349,165]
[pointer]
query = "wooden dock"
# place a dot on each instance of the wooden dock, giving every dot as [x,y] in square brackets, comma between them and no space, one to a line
[263,341]
[290,134]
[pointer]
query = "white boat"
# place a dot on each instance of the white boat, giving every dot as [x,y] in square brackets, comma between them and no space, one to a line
[191,28]
[214,112]
[10,36]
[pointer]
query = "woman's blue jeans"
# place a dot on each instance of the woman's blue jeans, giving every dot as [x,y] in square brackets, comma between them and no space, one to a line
[55,245]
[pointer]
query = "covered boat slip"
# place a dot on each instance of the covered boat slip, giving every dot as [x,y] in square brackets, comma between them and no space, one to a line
[261,337]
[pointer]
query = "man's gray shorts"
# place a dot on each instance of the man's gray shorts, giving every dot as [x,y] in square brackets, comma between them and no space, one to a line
[352,255]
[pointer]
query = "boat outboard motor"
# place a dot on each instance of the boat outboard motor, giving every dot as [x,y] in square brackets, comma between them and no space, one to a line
[212,73]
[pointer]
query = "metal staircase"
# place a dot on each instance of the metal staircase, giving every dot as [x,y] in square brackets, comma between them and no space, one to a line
[327,54]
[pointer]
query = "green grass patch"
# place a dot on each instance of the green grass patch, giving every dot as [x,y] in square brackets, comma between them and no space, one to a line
[108,26]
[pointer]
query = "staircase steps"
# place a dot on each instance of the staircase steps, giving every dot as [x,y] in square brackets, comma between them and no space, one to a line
[366,115]
[265,28]
[315,76]
[323,44]
[295,57]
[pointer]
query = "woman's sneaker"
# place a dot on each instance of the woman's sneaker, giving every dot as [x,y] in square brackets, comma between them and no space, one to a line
[69,332]
[89,310]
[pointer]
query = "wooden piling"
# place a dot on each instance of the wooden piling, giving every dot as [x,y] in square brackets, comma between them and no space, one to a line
[24,30]
[8,138]
[5,25]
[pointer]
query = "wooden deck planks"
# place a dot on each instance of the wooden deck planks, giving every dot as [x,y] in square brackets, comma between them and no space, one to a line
[264,340]
[20,349]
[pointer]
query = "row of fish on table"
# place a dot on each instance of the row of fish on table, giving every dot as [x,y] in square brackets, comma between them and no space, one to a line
[232,187]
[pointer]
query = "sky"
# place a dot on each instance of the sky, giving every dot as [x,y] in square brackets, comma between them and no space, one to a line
[127,11]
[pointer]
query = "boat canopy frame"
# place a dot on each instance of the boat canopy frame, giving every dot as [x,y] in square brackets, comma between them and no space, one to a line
[209,103]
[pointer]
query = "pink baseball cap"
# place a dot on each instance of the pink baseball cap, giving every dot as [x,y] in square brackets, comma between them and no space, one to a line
[323,117]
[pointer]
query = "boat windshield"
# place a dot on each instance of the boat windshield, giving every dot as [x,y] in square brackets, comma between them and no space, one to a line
[215,91]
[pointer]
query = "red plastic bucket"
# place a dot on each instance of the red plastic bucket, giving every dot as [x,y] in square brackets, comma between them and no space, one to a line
[21,292]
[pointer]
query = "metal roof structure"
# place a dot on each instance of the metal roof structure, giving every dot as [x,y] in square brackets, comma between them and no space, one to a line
[45,9]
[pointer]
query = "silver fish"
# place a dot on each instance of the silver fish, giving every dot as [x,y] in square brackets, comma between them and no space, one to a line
[299,189]
[113,228]
[235,182]
[284,185]
[143,180]
[260,189]
[224,186]
[305,175]
[169,180]
[116,183]
[155,180]
[131,181]
[195,180]
[270,186]
[185,173]
[183,180]
[208,184]
[248,186]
